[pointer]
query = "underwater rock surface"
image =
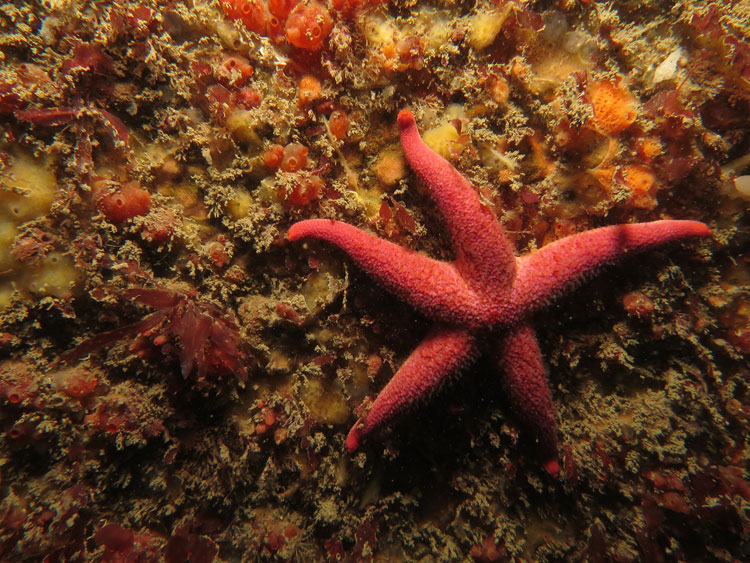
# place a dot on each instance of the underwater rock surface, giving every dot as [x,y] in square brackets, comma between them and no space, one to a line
[177,380]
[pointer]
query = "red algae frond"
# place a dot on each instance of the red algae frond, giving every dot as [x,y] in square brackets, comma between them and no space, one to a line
[204,337]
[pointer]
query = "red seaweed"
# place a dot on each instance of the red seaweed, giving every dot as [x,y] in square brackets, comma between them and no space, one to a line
[204,337]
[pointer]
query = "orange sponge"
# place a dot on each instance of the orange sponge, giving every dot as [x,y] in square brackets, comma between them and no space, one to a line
[614,107]
[641,181]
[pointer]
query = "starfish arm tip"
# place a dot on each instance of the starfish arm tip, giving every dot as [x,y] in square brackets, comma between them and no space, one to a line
[702,230]
[405,119]
[298,231]
[354,438]
[671,229]
[293,233]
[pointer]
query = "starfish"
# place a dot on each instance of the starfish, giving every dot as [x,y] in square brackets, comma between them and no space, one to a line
[484,299]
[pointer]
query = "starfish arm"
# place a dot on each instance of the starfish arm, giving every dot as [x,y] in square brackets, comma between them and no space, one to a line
[435,288]
[484,255]
[520,360]
[561,265]
[442,354]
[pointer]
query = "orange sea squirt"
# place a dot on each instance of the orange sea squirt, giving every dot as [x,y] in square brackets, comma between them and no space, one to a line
[304,192]
[76,382]
[281,8]
[251,12]
[339,124]
[294,157]
[124,203]
[308,26]
[234,69]
[272,156]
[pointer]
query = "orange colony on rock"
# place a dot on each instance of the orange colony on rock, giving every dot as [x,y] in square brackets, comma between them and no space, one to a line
[308,26]
[498,89]
[217,253]
[390,167]
[614,107]
[640,180]
[648,148]
[124,203]
[160,225]
[310,90]
[294,157]
[605,175]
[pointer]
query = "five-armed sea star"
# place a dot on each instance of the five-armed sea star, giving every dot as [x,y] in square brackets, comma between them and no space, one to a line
[484,299]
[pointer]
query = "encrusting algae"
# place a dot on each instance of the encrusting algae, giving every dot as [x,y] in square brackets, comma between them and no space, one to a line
[177,379]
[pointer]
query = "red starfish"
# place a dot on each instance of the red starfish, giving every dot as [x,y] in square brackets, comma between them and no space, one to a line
[483,299]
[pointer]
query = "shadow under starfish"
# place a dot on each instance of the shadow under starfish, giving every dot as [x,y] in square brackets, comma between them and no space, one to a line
[483,300]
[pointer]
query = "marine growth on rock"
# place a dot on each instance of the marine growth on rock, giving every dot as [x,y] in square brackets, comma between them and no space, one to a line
[178,378]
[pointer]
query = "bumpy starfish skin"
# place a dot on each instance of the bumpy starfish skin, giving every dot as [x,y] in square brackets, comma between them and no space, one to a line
[484,298]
